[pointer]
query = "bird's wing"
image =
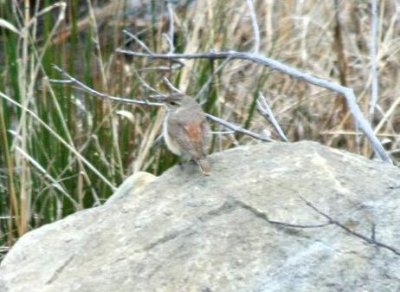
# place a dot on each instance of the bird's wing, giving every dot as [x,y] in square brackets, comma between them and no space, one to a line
[206,136]
[189,136]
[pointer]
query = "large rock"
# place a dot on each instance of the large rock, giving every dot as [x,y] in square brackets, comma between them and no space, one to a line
[230,231]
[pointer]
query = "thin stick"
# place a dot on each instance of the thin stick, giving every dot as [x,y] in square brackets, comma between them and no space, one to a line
[264,109]
[81,86]
[136,39]
[254,24]
[238,129]
[171,86]
[210,78]
[373,57]
[170,36]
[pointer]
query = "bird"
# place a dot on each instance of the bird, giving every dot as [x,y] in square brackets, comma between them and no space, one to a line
[186,130]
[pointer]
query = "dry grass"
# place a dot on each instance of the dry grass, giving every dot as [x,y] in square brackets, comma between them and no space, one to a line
[69,149]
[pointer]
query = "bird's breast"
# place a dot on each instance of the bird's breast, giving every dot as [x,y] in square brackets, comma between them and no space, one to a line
[171,143]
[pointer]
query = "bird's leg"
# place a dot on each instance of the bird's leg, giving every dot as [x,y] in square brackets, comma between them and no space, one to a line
[158,142]
[180,163]
[204,166]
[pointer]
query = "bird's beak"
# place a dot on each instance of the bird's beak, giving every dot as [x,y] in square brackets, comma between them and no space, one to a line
[158,97]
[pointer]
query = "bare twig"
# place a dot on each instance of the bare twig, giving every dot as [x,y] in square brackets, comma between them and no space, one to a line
[175,66]
[374,71]
[264,109]
[347,92]
[170,37]
[254,24]
[210,78]
[136,39]
[83,87]
[171,86]
[238,129]
[144,83]
[387,115]
[339,47]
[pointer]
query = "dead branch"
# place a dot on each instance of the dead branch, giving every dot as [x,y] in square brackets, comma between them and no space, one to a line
[347,92]
[83,87]
[264,109]
[238,129]
[373,57]
[254,24]
[70,80]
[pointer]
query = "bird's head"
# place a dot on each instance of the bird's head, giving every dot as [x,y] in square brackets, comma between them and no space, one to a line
[175,101]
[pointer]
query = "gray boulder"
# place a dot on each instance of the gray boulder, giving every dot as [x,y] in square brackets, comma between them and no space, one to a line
[271,217]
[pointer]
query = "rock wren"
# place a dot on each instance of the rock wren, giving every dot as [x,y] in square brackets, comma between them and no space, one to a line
[186,130]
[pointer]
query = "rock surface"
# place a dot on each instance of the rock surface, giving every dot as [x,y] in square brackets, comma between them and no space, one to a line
[186,232]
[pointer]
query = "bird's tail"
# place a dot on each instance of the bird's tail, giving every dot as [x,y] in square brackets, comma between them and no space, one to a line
[204,166]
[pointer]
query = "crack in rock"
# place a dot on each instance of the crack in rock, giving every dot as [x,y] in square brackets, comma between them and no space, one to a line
[60,269]
[166,238]
[331,221]
[226,208]
[232,204]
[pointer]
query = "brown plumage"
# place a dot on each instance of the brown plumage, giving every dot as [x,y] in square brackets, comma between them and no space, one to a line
[186,130]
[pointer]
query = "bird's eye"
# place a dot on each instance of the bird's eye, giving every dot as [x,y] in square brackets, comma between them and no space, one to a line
[173,103]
